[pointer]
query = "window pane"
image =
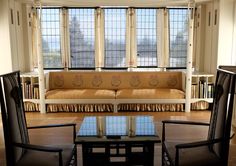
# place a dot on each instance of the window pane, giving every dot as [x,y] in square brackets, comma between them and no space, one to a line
[51,38]
[146,37]
[82,38]
[178,37]
[115,29]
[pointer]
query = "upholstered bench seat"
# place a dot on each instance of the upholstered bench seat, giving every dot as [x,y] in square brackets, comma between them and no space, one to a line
[150,94]
[75,91]
[80,94]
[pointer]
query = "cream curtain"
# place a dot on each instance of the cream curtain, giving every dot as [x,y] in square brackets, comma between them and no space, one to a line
[99,38]
[131,46]
[65,38]
[133,40]
[162,38]
[128,36]
[34,25]
[166,39]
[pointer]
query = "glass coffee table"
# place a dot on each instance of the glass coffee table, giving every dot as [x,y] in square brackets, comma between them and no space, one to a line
[117,140]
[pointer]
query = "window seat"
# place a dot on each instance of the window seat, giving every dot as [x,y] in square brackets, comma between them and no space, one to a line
[75,91]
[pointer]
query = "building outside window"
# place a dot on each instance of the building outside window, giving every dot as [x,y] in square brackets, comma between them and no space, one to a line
[82,38]
[115,33]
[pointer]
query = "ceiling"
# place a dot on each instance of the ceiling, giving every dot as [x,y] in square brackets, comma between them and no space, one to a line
[96,3]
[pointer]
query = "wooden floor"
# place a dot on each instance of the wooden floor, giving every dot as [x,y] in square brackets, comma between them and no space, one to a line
[49,136]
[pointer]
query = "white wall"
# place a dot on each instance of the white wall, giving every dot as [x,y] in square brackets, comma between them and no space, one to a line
[20,59]
[26,64]
[12,56]
[219,37]
[207,39]
[226,33]
[13,35]
[234,37]
[5,48]
[199,37]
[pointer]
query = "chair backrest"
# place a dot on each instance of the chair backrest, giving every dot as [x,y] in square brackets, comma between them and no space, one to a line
[221,116]
[13,116]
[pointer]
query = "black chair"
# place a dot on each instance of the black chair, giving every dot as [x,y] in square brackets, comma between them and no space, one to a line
[215,149]
[19,151]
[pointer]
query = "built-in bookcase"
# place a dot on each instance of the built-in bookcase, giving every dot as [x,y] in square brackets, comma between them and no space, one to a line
[30,91]
[202,90]
[30,87]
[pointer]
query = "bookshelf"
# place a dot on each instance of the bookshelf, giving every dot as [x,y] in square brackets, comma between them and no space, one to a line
[30,90]
[202,88]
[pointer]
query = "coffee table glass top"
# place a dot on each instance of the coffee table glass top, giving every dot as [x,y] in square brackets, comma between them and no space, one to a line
[117,126]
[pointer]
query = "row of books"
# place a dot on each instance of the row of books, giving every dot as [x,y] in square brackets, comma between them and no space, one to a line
[30,91]
[202,90]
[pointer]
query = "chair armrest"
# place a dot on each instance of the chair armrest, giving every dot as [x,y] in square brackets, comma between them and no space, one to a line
[52,125]
[38,147]
[56,125]
[185,122]
[199,143]
[182,123]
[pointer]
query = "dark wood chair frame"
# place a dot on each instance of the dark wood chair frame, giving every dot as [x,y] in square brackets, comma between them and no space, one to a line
[9,145]
[210,141]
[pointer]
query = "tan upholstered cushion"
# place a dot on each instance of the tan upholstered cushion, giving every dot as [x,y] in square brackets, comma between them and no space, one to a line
[80,94]
[149,94]
[114,80]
